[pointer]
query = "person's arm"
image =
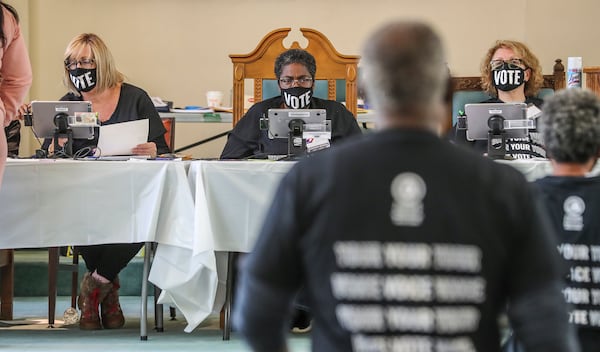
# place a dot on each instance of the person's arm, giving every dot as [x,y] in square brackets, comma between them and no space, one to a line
[271,274]
[537,309]
[242,142]
[156,129]
[15,71]
[3,154]
[343,123]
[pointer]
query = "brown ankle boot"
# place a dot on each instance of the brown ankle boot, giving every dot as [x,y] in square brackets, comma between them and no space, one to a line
[91,294]
[112,315]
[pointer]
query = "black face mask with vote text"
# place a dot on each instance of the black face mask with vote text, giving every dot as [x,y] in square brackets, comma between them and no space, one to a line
[297,97]
[507,79]
[84,79]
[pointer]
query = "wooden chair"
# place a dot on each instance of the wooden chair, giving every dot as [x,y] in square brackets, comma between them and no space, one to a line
[7,282]
[54,266]
[258,65]
[592,78]
[13,137]
[552,82]
[7,279]
[169,123]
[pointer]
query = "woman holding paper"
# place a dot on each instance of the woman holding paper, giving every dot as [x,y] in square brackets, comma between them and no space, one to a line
[90,74]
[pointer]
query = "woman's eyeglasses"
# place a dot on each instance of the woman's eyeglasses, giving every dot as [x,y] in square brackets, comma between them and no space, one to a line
[287,82]
[512,64]
[83,63]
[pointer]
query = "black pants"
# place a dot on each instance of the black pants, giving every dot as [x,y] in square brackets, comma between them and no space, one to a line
[13,137]
[108,259]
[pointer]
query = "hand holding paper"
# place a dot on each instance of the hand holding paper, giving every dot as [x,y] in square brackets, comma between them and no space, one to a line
[148,148]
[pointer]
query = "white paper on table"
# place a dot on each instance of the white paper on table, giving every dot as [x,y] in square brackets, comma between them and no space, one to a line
[121,138]
[533,112]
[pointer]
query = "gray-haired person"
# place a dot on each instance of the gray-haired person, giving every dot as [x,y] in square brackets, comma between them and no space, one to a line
[403,241]
[571,128]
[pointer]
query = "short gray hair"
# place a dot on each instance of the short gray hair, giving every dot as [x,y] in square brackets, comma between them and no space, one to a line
[295,56]
[570,124]
[404,68]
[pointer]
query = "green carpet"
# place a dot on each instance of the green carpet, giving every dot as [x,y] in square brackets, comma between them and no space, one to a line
[31,275]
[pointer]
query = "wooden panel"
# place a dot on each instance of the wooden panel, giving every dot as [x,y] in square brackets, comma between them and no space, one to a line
[592,79]
[7,283]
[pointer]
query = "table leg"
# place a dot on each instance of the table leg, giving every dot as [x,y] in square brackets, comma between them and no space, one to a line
[228,295]
[144,312]
[52,278]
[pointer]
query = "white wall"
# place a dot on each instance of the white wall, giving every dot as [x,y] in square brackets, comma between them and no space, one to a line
[178,49]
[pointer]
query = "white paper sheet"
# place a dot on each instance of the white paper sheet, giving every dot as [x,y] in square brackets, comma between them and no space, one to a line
[120,138]
[533,112]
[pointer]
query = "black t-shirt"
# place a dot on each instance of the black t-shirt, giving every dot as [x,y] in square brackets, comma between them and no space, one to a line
[517,148]
[574,207]
[134,104]
[402,239]
[247,139]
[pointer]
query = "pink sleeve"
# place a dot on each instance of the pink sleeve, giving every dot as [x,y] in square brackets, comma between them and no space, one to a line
[15,70]
[3,152]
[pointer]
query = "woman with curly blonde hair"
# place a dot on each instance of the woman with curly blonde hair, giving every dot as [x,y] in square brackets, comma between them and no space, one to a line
[514,85]
[510,73]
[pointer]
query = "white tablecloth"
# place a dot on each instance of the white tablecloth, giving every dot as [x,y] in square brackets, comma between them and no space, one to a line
[217,206]
[61,202]
[48,203]
[538,168]
[231,198]
[532,169]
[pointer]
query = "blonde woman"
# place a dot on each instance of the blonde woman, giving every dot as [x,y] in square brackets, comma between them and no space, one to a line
[90,74]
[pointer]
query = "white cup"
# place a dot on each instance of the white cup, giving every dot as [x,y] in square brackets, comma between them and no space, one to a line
[214,98]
